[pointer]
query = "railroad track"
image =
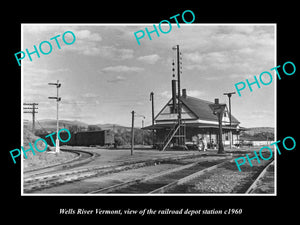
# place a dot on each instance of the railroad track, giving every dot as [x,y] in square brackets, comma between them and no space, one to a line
[154,183]
[82,157]
[266,177]
[58,177]
[187,173]
[181,179]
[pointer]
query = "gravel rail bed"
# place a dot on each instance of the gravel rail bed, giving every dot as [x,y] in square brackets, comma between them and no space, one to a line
[150,185]
[225,179]
[266,183]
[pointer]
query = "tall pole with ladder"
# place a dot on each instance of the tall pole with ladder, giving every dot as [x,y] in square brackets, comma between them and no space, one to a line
[230,132]
[178,53]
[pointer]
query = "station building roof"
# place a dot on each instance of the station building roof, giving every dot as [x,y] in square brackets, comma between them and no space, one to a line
[195,113]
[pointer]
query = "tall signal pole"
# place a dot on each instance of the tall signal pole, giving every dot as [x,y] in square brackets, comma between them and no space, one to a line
[33,112]
[58,99]
[229,97]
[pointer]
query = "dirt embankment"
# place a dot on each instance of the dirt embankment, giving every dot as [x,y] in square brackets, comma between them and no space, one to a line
[41,159]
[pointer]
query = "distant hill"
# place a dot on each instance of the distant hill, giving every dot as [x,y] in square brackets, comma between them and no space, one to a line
[62,123]
[258,134]
[49,125]
[255,130]
[115,127]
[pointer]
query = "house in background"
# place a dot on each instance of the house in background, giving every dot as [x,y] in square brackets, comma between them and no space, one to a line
[197,119]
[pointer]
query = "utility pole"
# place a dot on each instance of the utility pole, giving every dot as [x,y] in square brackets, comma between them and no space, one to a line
[229,97]
[152,100]
[133,114]
[132,132]
[143,133]
[58,99]
[33,112]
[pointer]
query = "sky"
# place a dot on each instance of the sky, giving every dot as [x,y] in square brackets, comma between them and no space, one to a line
[105,74]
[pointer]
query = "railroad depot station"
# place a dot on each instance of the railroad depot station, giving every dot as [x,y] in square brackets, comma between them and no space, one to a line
[198,121]
[186,122]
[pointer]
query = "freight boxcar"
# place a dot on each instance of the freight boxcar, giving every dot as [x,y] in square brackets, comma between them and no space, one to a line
[84,138]
[88,138]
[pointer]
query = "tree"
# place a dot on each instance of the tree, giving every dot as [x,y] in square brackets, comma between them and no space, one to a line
[93,128]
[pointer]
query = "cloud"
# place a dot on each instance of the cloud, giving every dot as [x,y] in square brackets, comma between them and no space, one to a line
[90,95]
[88,41]
[40,28]
[89,48]
[195,93]
[165,94]
[40,71]
[227,47]
[195,67]
[117,79]
[116,53]
[122,69]
[88,35]
[37,78]
[151,59]
[194,57]
[219,60]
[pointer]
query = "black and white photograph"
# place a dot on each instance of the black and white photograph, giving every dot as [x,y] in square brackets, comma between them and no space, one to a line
[149,112]
[159,114]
